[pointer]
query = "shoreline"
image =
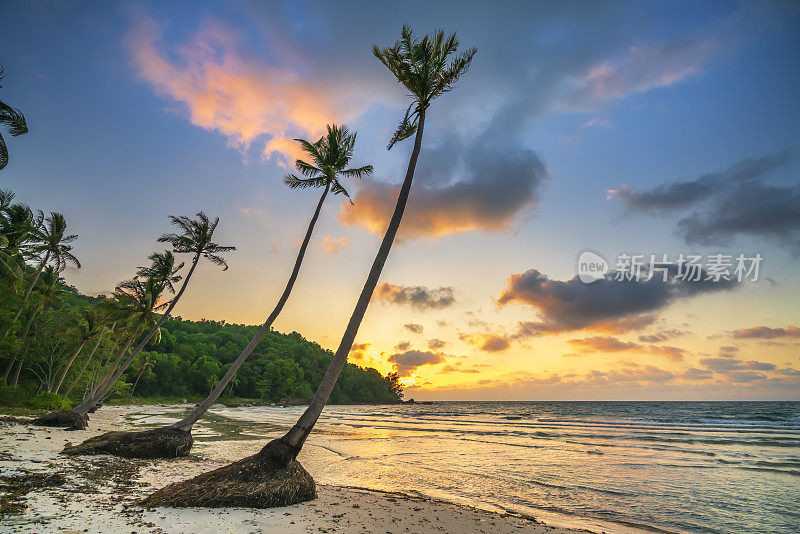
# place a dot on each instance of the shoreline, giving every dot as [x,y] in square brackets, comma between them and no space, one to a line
[100,493]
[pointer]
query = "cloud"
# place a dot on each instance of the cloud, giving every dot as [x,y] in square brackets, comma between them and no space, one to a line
[457,189]
[659,337]
[735,202]
[413,327]
[244,99]
[753,210]
[603,344]
[697,374]
[606,305]
[728,350]
[681,194]
[724,365]
[459,368]
[436,344]
[405,363]
[612,344]
[765,332]
[418,297]
[334,245]
[403,345]
[358,351]
[639,69]
[488,342]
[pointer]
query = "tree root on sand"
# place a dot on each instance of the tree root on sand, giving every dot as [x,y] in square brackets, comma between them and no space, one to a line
[64,418]
[272,477]
[165,442]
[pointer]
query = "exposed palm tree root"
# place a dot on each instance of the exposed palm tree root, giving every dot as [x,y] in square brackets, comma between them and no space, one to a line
[272,477]
[165,442]
[64,418]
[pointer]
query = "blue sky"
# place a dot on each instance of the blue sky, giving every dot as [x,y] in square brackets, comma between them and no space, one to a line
[137,111]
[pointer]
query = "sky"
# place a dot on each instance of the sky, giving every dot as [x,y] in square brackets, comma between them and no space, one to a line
[624,129]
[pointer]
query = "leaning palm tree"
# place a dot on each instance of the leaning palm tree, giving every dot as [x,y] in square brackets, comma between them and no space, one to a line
[136,302]
[330,157]
[90,357]
[51,244]
[273,477]
[88,324]
[195,237]
[14,121]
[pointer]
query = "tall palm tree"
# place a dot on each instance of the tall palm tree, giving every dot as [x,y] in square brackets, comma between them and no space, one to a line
[50,244]
[89,324]
[195,237]
[425,68]
[330,157]
[14,121]
[273,477]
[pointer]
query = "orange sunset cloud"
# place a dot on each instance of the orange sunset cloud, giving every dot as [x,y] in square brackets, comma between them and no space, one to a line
[238,97]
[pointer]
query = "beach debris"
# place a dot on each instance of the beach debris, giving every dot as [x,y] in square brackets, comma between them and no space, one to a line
[14,488]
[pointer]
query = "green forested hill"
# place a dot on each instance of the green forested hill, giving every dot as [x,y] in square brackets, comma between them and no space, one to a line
[186,362]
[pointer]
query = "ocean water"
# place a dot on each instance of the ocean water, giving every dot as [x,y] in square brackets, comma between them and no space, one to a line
[612,466]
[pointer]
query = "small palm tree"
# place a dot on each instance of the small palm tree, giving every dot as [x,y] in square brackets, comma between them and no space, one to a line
[194,238]
[88,324]
[330,157]
[14,121]
[424,66]
[135,304]
[17,222]
[146,364]
[103,319]
[50,244]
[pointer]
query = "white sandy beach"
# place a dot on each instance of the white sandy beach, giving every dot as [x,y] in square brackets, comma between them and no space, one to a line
[100,495]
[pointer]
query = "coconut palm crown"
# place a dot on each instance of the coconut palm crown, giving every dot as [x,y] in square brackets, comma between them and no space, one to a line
[14,122]
[424,67]
[195,237]
[330,156]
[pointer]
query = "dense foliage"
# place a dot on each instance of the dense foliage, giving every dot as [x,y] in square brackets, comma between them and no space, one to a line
[57,345]
[188,361]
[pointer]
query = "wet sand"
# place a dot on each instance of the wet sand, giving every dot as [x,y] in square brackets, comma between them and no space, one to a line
[100,494]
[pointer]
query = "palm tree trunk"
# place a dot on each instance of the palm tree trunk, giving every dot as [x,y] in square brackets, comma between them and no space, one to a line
[133,388]
[299,432]
[28,291]
[69,364]
[86,363]
[27,329]
[90,401]
[104,389]
[11,361]
[186,423]
[15,378]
